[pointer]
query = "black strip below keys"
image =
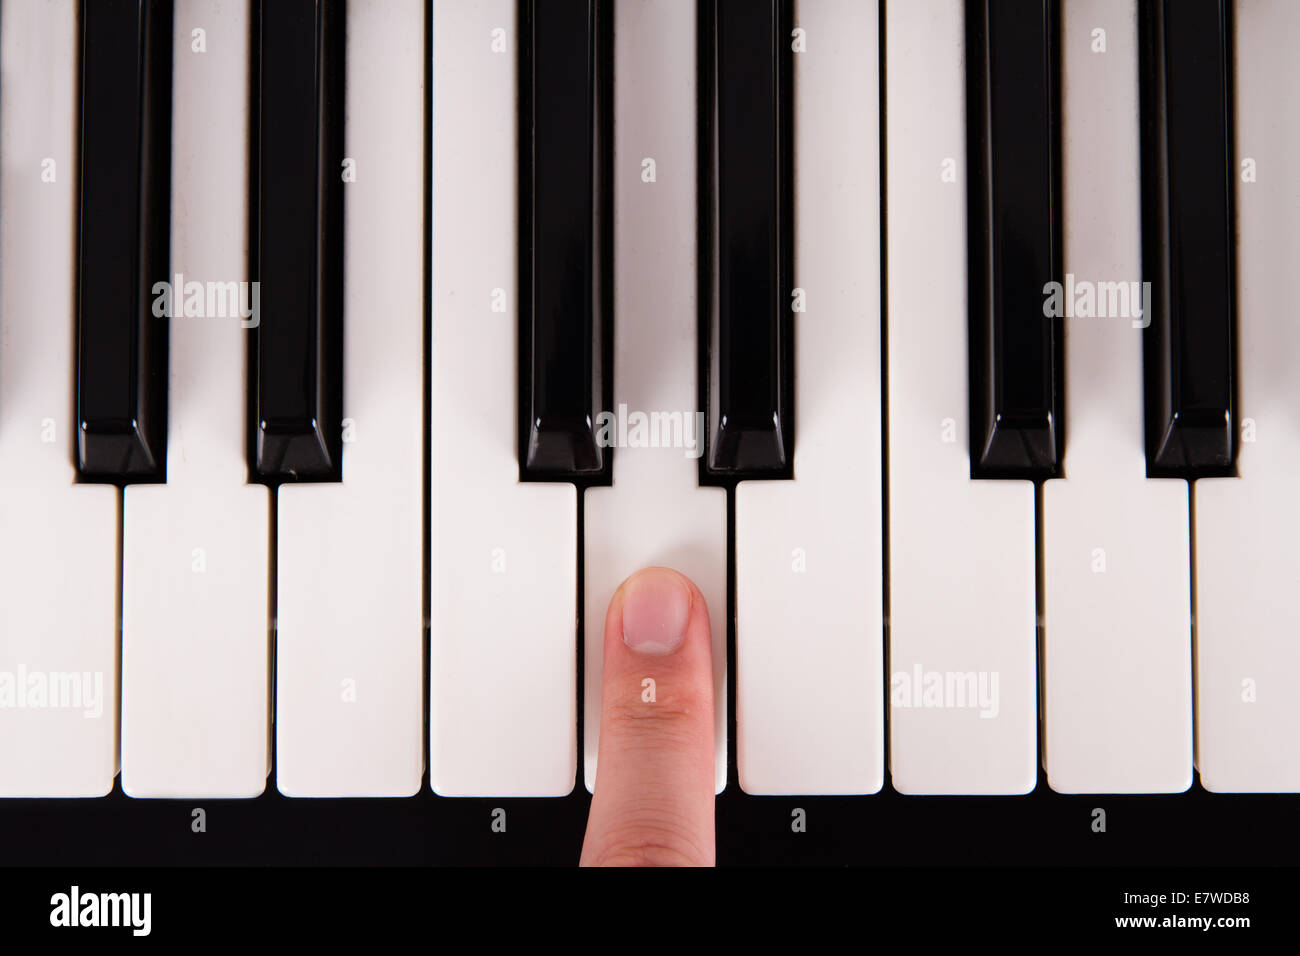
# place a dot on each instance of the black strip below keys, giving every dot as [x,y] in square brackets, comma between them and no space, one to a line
[298,239]
[1187,236]
[124,241]
[746,250]
[565,236]
[1014,220]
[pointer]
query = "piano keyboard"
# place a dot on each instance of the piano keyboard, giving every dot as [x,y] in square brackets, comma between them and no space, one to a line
[352,351]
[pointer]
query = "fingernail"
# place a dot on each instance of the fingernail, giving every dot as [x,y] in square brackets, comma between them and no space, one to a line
[656,606]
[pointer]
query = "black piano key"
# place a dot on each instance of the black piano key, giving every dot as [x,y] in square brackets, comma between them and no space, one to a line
[124,240]
[566,245]
[298,239]
[1187,236]
[746,222]
[1014,243]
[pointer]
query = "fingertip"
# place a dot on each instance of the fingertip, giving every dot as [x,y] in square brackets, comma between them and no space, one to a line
[653,799]
[655,609]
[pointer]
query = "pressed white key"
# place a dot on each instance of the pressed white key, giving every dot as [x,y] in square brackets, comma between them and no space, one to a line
[655,513]
[1247,576]
[1117,651]
[503,567]
[809,704]
[195,628]
[350,602]
[58,562]
[961,552]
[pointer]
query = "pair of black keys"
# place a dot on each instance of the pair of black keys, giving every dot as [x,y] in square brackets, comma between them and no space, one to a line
[1017,362]
[745,249]
[745,236]
[296,241]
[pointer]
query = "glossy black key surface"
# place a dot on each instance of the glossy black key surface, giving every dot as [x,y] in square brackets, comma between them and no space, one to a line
[298,239]
[1014,243]
[124,239]
[1187,236]
[746,242]
[565,237]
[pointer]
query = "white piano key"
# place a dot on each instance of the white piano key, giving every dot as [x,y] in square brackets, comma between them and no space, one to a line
[809,689]
[503,563]
[350,600]
[58,565]
[195,572]
[655,513]
[1247,577]
[1117,652]
[962,563]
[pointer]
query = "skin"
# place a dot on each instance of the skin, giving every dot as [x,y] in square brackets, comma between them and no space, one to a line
[653,800]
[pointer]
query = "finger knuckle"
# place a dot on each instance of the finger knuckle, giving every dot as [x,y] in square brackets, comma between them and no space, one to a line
[650,843]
